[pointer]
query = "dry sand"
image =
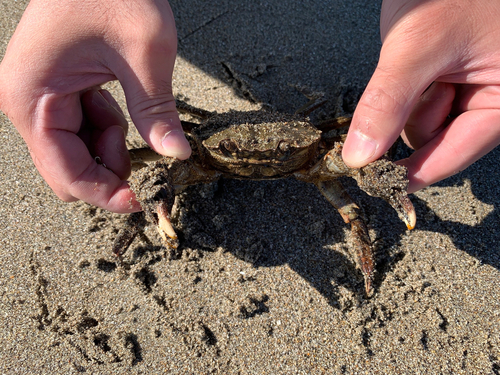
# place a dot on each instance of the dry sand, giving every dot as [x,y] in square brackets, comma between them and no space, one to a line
[264,282]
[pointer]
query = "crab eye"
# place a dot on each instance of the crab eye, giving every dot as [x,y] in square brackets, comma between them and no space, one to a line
[284,146]
[228,147]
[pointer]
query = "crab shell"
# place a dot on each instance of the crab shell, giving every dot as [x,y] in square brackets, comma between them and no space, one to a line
[256,146]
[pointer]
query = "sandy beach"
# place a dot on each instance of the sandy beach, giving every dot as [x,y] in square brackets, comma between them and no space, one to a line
[264,280]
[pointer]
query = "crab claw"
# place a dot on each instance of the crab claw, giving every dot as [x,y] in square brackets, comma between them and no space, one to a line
[405,210]
[389,181]
[165,227]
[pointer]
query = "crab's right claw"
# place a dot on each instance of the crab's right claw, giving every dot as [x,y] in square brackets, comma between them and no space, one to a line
[399,200]
[406,211]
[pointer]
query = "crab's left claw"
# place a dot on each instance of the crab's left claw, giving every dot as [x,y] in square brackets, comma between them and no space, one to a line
[389,181]
[155,192]
[157,201]
[165,227]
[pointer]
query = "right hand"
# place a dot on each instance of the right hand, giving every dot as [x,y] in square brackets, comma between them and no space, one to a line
[437,83]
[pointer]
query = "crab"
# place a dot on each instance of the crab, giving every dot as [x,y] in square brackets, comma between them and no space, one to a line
[259,145]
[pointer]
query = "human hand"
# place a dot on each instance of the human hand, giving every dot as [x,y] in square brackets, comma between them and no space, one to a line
[453,47]
[61,49]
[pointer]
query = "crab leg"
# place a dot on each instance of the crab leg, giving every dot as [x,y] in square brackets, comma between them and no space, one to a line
[338,197]
[183,107]
[381,178]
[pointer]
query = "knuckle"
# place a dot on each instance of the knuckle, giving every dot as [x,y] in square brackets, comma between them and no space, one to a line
[388,98]
[156,26]
[147,105]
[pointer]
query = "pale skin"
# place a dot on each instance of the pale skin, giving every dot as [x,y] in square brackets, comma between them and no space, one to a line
[62,48]
[453,47]
[436,84]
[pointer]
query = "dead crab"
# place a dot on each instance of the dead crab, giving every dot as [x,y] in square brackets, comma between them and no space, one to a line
[258,145]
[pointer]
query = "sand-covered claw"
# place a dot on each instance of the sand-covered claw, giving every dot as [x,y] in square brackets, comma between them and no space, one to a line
[389,181]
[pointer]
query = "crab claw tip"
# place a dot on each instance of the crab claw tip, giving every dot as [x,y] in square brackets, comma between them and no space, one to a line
[164,225]
[410,218]
[368,287]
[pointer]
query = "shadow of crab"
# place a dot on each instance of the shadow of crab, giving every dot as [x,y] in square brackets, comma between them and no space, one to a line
[272,223]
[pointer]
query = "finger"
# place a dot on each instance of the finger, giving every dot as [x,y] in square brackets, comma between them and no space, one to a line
[102,111]
[469,137]
[73,178]
[65,162]
[147,81]
[152,109]
[107,127]
[113,103]
[476,97]
[416,51]
[112,151]
[382,111]
[429,115]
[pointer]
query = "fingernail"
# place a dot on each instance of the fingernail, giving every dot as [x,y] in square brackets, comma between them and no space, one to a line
[364,148]
[111,101]
[104,100]
[120,141]
[176,145]
[99,101]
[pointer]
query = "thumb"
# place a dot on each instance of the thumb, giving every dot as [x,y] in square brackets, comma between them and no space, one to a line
[146,77]
[382,112]
[411,58]
[152,108]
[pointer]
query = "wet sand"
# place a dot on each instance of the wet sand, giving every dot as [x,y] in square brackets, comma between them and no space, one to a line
[264,281]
